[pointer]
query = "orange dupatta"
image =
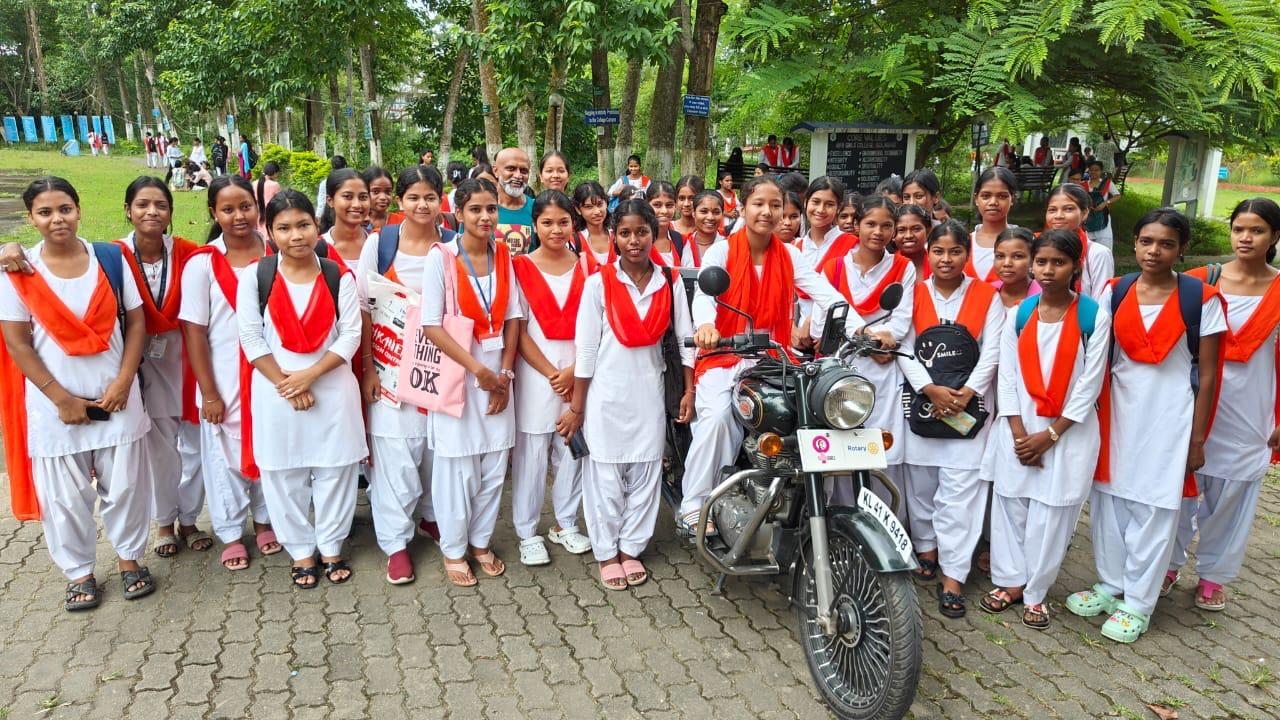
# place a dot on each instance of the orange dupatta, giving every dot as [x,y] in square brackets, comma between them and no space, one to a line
[767,299]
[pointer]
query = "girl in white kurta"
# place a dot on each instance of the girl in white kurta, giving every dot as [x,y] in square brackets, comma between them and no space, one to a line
[1142,475]
[344,220]
[1066,209]
[669,247]
[67,351]
[551,281]
[400,479]
[595,241]
[156,261]
[209,289]
[708,219]
[862,276]
[309,434]
[945,492]
[1053,369]
[823,242]
[1244,438]
[470,452]
[617,399]
[993,195]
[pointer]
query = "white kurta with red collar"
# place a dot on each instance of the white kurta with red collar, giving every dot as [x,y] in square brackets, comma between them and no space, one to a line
[1099,269]
[811,254]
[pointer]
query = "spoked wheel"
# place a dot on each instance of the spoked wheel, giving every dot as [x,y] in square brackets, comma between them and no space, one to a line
[868,668]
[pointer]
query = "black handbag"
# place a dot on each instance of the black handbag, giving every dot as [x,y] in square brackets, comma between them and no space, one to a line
[949,353]
[673,370]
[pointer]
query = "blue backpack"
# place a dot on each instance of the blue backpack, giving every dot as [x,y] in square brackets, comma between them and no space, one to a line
[111,260]
[389,245]
[1190,299]
[1086,315]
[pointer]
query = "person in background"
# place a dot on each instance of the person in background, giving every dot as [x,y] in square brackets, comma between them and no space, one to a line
[515,207]
[789,155]
[771,152]
[480,163]
[197,155]
[1105,152]
[760,170]
[246,157]
[1044,154]
[219,155]
[95,142]
[201,178]
[554,171]
[428,157]
[267,187]
[941,211]
[634,178]
[149,147]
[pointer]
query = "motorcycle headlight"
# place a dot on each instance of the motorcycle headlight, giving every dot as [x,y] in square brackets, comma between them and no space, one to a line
[843,400]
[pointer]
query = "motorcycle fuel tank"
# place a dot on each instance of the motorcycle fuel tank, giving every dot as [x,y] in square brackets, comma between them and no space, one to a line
[762,405]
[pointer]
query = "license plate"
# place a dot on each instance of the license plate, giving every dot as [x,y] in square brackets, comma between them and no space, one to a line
[874,506]
[825,451]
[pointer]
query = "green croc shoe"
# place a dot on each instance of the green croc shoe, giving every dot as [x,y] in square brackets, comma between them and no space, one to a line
[1125,625]
[1092,602]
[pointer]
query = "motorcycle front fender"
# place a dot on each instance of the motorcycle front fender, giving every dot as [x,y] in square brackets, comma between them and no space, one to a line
[871,536]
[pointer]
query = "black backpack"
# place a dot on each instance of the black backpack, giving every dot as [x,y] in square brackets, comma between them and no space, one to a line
[267,276]
[949,353]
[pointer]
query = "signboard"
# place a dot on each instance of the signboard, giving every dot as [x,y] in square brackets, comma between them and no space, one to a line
[11,129]
[981,133]
[1222,172]
[29,129]
[48,129]
[368,125]
[155,112]
[231,127]
[348,111]
[109,128]
[68,128]
[863,159]
[83,123]
[97,124]
[697,105]
[610,116]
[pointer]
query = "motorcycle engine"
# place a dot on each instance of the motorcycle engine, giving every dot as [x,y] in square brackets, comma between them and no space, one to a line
[732,513]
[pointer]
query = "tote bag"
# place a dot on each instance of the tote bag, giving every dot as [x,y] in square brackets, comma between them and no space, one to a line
[429,378]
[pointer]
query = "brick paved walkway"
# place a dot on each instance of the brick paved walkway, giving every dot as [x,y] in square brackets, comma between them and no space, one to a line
[550,644]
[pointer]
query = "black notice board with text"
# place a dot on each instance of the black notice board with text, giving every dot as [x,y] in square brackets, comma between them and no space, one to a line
[862,159]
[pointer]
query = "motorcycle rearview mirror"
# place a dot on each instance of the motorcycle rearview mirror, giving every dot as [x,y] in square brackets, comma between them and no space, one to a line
[891,297]
[713,281]
[833,330]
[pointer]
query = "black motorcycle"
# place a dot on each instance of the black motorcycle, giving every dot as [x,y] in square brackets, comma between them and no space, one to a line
[846,569]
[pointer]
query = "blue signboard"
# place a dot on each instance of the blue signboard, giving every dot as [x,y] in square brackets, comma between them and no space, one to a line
[48,129]
[83,122]
[11,129]
[155,112]
[109,129]
[610,116]
[697,105]
[97,124]
[231,127]
[68,128]
[1222,173]
[29,129]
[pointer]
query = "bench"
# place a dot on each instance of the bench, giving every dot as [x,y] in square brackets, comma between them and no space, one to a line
[1119,176]
[1035,180]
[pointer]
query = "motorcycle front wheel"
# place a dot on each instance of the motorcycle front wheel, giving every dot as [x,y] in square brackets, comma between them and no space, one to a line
[868,669]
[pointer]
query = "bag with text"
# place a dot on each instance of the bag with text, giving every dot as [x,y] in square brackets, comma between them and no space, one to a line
[429,378]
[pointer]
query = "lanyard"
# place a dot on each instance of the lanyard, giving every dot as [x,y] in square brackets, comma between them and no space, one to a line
[484,297]
[164,272]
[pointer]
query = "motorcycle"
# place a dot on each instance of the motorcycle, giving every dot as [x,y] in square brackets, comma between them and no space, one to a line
[845,569]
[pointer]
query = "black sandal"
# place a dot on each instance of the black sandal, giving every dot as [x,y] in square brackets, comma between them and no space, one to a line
[1036,617]
[332,567]
[928,570]
[298,574]
[998,600]
[141,577]
[88,587]
[951,604]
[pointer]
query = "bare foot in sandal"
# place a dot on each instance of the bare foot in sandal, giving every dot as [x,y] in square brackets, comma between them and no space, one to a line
[235,556]
[636,572]
[459,572]
[266,539]
[166,542]
[490,563]
[194,538]
[612,576]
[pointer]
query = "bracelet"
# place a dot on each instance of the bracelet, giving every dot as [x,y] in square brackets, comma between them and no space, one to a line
[46,384]
[576,412]
[210,401]
[690,391]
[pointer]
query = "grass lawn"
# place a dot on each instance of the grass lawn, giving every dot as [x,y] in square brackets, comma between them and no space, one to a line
[100,182]
[1223,203]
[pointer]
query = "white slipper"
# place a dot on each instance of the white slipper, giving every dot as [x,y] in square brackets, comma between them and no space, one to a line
[534,552]
[572,540]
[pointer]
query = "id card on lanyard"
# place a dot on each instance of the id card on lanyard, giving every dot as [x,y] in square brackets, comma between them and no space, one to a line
[491,339]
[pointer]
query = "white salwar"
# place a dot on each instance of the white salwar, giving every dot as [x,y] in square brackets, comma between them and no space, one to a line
[400,478]
[66,460]
[538,448]
[716,434]
[229,494]
[946,496]
[624,418]
[306,457]
[470,452]
[1034,513]
[1236,459]
[1135,514]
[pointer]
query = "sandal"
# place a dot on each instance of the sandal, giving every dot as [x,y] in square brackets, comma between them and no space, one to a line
[1036,616]
[1092,602]
[928,570]
[1171,578]
[1125,625]
[140,577]
[166,546]
[1211,596]
[198,536]
[335,567]
[459,572]
[687,525]
[633,569]
[491,564]
[299,574]
[267,537]
[88,587]
[235,551]
[951,604]
[998,600]
[613,577]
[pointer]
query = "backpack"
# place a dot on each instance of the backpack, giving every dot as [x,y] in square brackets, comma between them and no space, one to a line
[111,260]
[253,159]
[267,275]
[949,353]
[389,245]
[1086,315]
[1190,299]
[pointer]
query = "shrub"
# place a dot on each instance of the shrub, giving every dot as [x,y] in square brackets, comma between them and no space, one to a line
[1208,236]
[299,169]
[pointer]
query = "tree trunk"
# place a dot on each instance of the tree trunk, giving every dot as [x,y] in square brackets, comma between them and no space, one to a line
[144,110]
[124,104]
[371,103]
[351,101]
[627,115]
[315,122]
[33,29]
[526,128]
[602,99]
[706,31]
[149,66]
[666,107]
[555,108]
[335,110]
[488,85]
[451,107]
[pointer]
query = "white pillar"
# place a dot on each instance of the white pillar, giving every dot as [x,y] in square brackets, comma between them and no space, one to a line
[1209,181]
[818,153]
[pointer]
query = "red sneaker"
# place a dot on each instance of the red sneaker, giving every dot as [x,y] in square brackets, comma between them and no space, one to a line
[428,528]
[400,568]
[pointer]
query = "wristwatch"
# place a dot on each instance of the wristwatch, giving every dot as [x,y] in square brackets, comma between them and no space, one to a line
[1053,434]
[507,373]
